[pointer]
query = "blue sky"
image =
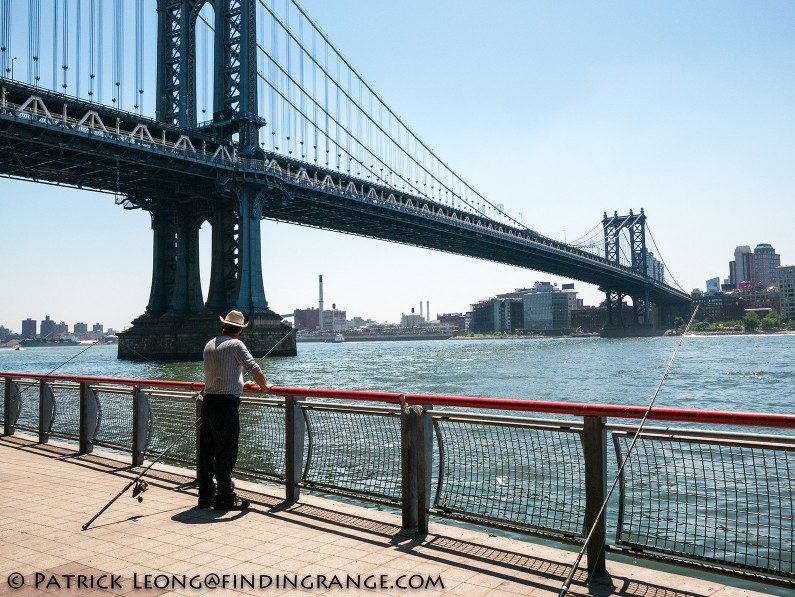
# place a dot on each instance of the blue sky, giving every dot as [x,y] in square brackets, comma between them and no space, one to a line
[558,110]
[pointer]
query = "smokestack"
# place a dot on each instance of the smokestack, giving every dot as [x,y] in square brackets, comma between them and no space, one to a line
[320,321]
[428,310]
[420,308]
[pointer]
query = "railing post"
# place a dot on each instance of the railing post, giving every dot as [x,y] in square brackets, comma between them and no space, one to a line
[141,415]
[408,467]
[594,441]
[46,411]
[198,431]
[11,407]
[88,417]
[424,466]
[295,424]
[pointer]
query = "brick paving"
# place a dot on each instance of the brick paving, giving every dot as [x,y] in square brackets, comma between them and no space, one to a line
[47,493]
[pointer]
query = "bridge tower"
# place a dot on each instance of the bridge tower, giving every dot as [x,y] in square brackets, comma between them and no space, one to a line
[635,225]
[178,322]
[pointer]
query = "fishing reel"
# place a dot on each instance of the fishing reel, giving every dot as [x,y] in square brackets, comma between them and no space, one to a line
[140,487]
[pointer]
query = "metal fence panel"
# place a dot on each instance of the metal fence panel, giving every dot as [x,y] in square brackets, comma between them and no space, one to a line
[66,422]
[354,451]
[261,450]
[172,414]
[523,477]
[2,404]
[29,406]
[115,427]
[729,503]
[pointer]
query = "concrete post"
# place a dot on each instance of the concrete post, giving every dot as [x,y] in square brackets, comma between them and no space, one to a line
[12,401]
[594,441]
[295,425]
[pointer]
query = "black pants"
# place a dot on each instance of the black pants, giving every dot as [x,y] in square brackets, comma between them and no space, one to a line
[218,439]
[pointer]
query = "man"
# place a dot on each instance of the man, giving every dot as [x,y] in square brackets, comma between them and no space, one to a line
[225,357]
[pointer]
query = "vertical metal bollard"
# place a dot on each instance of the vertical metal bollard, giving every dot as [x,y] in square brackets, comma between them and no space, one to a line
[46,411]
[88,417]
[140,425]
[424,426]
[595,455]
[295,424]
[408,468]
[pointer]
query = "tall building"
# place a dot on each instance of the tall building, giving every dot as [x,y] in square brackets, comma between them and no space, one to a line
[713,285]
[786,282]
[29,328]
[80,328]
[655,268]
[766,262]
[47,327]
[741,269]
[306,319]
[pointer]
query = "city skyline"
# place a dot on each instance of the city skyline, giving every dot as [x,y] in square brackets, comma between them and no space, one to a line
[559,112]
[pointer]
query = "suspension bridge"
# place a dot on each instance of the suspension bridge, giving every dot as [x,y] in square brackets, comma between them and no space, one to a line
[250,113]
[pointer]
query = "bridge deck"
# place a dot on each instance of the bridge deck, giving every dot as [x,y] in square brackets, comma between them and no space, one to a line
[47,493]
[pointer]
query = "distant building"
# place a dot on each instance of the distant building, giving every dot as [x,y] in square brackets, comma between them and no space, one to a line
[306,319]
[713,285]
[455,320]
[547,309]
[412,320]
[718,307]
[98,329]
[655,268]
[741,269]
[588,319]
[47,328]
[29,328]
[766,264]
[786,284]
[80,328]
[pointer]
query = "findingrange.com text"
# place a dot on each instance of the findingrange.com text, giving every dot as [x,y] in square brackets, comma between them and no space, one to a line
[212,581]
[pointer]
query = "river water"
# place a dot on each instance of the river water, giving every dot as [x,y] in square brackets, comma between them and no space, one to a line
[747,373]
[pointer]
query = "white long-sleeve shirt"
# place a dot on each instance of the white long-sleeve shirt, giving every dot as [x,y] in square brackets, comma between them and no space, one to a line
[224,361]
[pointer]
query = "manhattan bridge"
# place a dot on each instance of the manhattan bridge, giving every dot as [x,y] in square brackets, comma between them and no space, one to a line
[234,111]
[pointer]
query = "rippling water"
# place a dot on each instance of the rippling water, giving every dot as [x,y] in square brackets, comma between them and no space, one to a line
[751,373]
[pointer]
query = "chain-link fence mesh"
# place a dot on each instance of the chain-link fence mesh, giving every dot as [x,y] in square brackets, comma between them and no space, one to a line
[173,415]
[66,420]
[262,442]
[115,418]
[28,397]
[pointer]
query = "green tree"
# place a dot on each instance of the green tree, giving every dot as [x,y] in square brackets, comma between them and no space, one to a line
[751,321]
[770,321]
[679,322]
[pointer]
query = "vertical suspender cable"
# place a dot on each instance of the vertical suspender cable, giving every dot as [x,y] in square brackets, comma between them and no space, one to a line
[139,55]
[288,111]
[5,42]
[78,45]
[92,18]
[55,13]
[100,45]
[36,50]
[118,33]
[302,84]
[274,79]
[65,44]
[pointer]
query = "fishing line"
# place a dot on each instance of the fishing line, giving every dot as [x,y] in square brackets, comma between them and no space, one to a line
[567,583]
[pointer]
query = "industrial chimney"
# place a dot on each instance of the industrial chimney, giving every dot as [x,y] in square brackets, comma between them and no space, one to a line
[320,321]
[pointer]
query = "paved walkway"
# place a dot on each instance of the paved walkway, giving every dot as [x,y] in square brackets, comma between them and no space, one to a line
[155,547]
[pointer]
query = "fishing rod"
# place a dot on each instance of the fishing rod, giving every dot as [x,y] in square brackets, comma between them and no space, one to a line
[564,590]
[140,485]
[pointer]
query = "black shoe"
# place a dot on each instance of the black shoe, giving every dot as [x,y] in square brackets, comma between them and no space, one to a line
[235,503]
[206,501]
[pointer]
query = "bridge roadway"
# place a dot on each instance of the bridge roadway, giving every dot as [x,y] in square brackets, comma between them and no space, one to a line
[48,492]
[52,138]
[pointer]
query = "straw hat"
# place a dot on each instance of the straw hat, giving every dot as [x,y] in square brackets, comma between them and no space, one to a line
[234,318]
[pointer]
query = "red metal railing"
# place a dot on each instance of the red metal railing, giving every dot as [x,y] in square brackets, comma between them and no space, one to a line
[577,409]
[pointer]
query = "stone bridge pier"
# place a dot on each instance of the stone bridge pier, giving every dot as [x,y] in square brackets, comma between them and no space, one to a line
[178,322]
